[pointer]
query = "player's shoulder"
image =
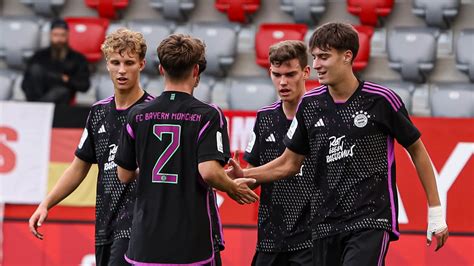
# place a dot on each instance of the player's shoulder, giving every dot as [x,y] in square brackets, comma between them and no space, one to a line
[146,101]
[102,104]
[209,111]
[382,94]
[205,108]
[143,106]
[313,95]
[269,109]
[315,92]
[146,98]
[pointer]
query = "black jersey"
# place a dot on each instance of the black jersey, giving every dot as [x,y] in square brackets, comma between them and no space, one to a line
[284,210]
[99,142]
[350,147]
[217,231]
[166,139]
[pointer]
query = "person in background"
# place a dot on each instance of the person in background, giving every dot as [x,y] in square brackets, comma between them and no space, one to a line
[55,73]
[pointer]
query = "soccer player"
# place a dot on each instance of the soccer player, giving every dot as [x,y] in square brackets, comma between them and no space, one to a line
[346,129]
[124,51]
[180,146]
[284,233]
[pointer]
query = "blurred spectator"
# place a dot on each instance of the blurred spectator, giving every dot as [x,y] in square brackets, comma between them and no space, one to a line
[56,73]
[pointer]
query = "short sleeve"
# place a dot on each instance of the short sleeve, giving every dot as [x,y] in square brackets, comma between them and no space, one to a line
[252,152]
[296,138]
[399,124]
[213,139]
[126,153]
[85,149]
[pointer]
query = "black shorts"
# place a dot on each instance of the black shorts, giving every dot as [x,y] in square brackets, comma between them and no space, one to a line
[362,247]
[301,257]
[112,254]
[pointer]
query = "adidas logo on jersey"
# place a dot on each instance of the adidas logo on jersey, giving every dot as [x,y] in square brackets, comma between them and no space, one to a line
[102,129]
[270,138]
[320,123]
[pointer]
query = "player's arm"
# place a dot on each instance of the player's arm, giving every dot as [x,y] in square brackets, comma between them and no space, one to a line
[126,176]
[67,183]
[236,160]
[288,164]
[436,222]
[213,173]
[125,158]
[255,185]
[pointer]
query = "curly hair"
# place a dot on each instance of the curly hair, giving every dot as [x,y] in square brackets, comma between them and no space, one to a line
[124,40]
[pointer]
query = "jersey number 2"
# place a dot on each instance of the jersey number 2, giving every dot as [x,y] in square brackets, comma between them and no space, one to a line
[175,131]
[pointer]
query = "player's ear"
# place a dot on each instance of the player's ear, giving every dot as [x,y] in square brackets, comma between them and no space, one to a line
[196,70]
[162,71]
[142,64]
[348,55]
[306,72]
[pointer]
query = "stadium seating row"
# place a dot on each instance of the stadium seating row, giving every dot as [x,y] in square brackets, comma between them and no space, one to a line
[411,50]
[439,13]
[443,99]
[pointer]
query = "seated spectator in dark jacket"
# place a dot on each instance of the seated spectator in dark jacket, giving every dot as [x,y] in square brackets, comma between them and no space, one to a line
[56,73]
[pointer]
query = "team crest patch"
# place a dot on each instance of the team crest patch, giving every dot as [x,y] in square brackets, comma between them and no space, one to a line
[361,118]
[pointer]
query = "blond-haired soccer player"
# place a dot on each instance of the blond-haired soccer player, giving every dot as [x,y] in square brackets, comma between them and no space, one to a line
[124,51]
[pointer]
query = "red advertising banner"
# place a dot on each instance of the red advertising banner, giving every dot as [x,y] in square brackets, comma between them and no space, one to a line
[450,143]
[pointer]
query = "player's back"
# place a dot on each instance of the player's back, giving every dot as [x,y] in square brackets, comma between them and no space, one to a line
[172,209]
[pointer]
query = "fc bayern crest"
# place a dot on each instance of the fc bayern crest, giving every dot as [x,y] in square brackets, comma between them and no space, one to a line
[360,119]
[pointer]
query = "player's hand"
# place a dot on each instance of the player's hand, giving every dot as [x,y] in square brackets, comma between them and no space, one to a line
[436,226]
[36,220]
[235,171]
[242,193]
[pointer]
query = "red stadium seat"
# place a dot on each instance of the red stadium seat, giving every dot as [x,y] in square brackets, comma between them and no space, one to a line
[107,8]
[86,34]
[237,9]
[362,58]
[369,11]
[311,84]
[269,34]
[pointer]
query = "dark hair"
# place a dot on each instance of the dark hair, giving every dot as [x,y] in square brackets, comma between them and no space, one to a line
[337,35]
[179,53]
[59,23]
[288,50]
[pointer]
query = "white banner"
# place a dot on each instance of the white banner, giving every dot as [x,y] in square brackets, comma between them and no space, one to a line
[25,135]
